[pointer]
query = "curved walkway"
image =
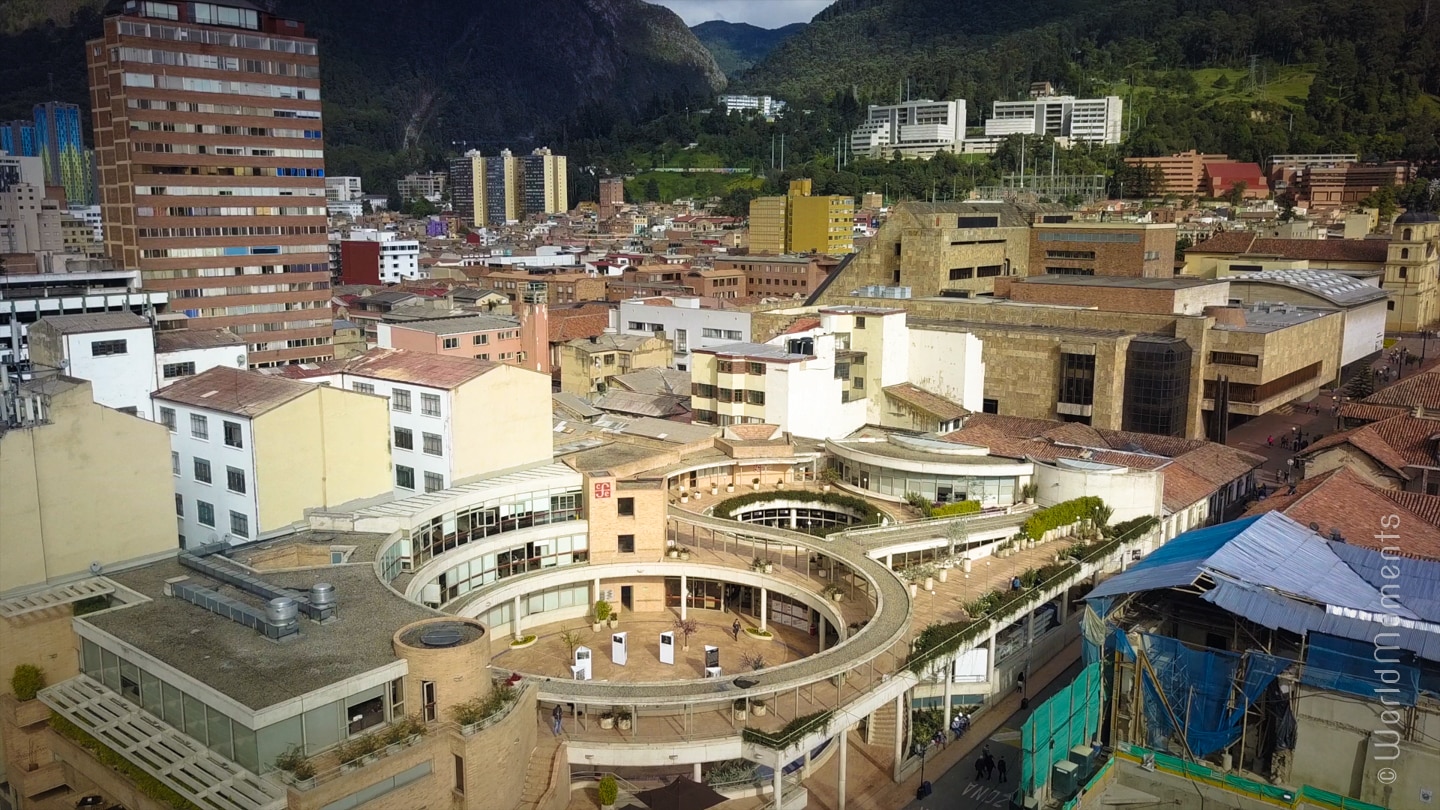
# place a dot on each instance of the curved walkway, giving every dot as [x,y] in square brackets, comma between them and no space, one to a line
[889,624]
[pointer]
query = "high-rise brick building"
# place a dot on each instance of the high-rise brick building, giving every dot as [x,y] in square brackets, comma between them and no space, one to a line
[208,140]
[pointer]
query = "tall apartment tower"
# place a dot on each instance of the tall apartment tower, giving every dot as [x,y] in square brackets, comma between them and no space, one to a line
[486,190]
[62,147]
[212,171]
[545,187]
[612,196]
[18,138]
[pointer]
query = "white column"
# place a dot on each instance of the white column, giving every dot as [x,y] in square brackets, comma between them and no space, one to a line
[900,708]
[695,775]
[949,681]
[595,592]
[764,607]
[820,631]
[515,619]
[684,596]
[779,780]
[844,742]
[990,664]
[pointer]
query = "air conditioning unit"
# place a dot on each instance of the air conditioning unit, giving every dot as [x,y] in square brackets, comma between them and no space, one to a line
[1064,780]
[1087,757]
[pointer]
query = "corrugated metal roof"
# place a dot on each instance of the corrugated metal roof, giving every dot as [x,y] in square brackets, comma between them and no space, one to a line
[1416,583]
[1276,552]
[1174,564]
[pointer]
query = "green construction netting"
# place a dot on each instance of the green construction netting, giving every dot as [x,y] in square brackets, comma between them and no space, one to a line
[1070,718]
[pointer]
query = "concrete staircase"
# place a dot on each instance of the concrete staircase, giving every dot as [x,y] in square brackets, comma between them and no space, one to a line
[537,772]
[881,728]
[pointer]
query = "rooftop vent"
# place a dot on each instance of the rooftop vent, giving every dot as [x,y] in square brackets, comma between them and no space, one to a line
[322,595]
[441,637]
[205,560]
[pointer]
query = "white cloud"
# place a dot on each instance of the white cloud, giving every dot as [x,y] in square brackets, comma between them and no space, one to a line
[764,13]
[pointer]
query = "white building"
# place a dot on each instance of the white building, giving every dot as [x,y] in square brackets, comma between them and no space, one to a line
[828,376]
[916,129]
[343,189]
[689,322]
[27,297]
[451,418]
[765,105]
[349,210]
[115,351]
[181,353]
[393,259]
[90,215]
[1091,120]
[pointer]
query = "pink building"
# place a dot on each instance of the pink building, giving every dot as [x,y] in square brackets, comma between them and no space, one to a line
[483,337]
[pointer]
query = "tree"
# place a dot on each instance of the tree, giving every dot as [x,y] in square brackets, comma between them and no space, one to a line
[1221,83]
[686,628]
[1286,200]
[736,201]
[1383,200]
[652,190]
[1361,385]
[1183,244]
[1236,194]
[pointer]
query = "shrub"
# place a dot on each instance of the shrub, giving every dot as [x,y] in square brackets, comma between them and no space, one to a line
[291,760]
[1134,528]
[1061,514]
[27,681]
[477,709]
[957,508]
[602,610]
[792,732]
[609,791]
[920,502]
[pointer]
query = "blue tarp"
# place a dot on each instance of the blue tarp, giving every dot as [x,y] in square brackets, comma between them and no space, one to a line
[1174,564]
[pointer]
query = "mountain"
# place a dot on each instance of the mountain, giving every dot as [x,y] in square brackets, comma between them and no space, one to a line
[403,82]
[737,46]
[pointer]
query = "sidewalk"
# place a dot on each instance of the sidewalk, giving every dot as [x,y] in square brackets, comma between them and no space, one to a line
[869,786]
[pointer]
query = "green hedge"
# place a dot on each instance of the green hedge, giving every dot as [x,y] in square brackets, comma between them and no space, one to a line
[956,508]
[144,782]
[791,733]
[726,508]
[1135,527]
[1061,514]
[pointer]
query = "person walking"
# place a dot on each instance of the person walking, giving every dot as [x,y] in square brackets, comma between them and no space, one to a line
[556,716]
[989,766]
[1269,441]
[1000,766]
[979,769]
[735,629]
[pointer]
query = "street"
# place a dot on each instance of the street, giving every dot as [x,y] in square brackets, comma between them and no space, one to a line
[957,788]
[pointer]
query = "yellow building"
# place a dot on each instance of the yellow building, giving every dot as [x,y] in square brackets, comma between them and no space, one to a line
[250,452]
[79,484]
[1412,264]
[801,223]
[586,365]
[543,179]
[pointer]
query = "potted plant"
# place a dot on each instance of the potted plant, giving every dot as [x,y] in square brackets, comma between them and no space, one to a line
[602,614]
[755,482]
[684,553]
[614,618]
[684,497]
[759,707]
[304,774]
[828,477]
[944,573]
[290,761]
[673,552]
[835,592]
[608,792]
[607,721]
[624,720]
[730,487]
[1029,491]
[714,489]
[740,710]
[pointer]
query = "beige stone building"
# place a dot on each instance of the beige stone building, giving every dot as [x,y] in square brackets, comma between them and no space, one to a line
[66,463]
[587,364]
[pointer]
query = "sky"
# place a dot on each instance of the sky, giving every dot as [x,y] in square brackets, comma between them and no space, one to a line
[764,13]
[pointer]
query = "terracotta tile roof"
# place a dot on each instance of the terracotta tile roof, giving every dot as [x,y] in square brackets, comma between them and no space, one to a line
[801,325]
[176,340]
[1183,487]
[230,390]
[925,402]
[398,365]
[1419,389]
[566,325]
[1075,433]
[1342,500]
[1367,441]
[1218,463]
[1413,438]
[1281,497]
[1171,446]
[1016,426]
[1347,250]
[1365,412]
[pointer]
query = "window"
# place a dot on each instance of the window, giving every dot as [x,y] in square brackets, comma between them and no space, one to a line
[430,404]
[755,397]
[232,434]
[174,462]
[859,321]
[363,388]
[460,774]
[404,477]
[858,383]
[450,343]
[757,368]
[173,370]
[235,480]
[167,418]
[990,406]
[400,400]
[432,444]
[239,524]
[404,439]
[481,340]
[366,714]
[625,507]
[101,348]
[199,427]
[179,505]
[1077,379]
[205,513]
[626,543]
[434,482]
[1235,359]
[202,470]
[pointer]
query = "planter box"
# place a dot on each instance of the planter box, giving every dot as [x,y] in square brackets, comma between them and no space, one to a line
[31,713]
[607,723]
[625,725]
[740,714]
[305,784]
[760,709]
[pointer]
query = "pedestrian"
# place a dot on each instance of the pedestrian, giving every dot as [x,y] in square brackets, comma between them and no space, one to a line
[979,769]
[556,715]
[989,766]
[1269,441]
[735,629]
[1001,768]
[955,725]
